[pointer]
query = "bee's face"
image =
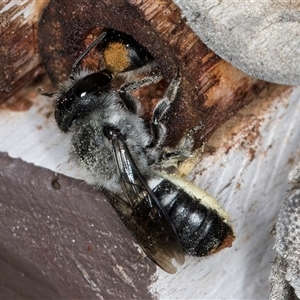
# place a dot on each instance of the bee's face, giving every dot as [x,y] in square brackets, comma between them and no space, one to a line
[81,95]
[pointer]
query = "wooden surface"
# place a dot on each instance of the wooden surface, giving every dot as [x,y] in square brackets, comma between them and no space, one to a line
[211,89]
[60,239]
[19,59]
[247,173]
[259,37]
[245,167]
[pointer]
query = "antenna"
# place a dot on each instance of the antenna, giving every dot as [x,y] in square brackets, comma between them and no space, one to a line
[87,50]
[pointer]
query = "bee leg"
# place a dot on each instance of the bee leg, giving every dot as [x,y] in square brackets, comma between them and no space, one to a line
[137,84]
[125,90]
[129,101]
[171,158]
[184,149]
[157,127]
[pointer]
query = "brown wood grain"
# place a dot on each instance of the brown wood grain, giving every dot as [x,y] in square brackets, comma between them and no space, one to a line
[19,59]
[211,89]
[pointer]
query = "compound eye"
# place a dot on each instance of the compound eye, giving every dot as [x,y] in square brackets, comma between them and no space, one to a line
[92,84]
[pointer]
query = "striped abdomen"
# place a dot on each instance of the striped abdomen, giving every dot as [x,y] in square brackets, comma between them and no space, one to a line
[200,228]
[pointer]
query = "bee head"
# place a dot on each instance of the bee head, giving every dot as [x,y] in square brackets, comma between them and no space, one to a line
[81,96]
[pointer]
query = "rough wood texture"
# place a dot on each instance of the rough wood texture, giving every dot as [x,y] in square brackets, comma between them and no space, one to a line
[60,239]
[247,172]
[285,272]
[19,59]
[211,89]
[259,37]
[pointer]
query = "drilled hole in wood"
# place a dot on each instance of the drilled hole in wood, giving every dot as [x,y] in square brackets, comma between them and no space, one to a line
[148,95]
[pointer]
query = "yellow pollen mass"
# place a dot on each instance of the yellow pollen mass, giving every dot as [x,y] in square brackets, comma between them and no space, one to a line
[116,57]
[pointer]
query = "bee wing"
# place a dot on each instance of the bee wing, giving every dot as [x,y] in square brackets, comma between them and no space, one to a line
[148,232]
[142,212]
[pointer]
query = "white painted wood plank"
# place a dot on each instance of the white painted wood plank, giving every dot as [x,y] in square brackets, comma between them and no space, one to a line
[251,189]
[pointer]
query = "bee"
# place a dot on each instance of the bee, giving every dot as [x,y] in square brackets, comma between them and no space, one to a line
[168,216]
